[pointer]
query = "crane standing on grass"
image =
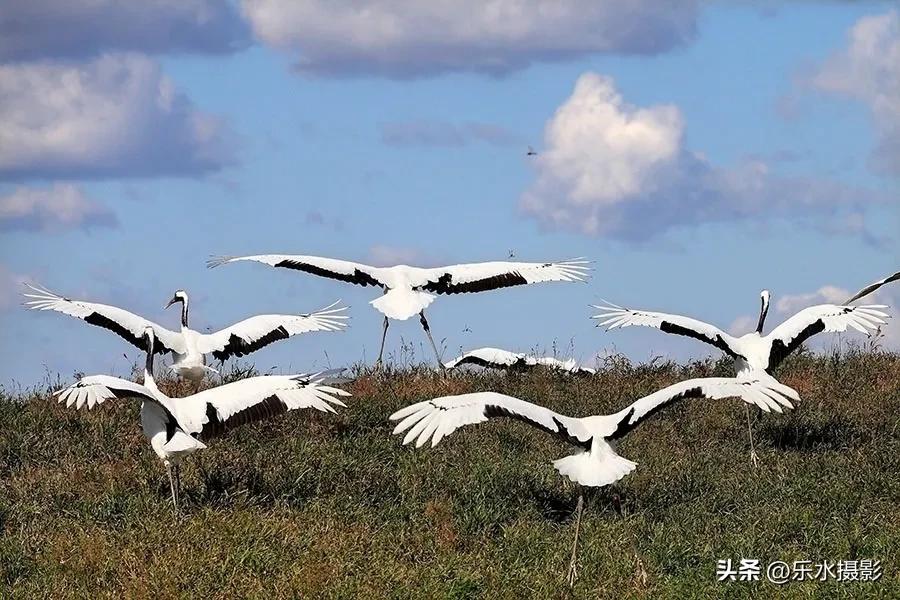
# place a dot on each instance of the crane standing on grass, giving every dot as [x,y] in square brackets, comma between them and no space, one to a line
[178,427]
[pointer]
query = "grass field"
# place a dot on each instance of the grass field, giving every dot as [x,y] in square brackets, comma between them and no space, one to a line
[315,505]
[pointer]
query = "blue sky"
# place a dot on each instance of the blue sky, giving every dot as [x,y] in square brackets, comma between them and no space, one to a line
[725,149]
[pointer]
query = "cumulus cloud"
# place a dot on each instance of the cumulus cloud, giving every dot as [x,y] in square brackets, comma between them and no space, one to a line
[59,207]
[441,133]
[114,116]
[38,29]
[613,169]
[868,71]
[403,38]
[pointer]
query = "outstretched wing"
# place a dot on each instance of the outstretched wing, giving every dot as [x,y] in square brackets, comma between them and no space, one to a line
[872,287]
[479,277]
[256,332]
[762,390]
[342,270]
[128,326]
[212,412]
[440,417]
[492,358]
[97,389]
[616,316]
[788,336]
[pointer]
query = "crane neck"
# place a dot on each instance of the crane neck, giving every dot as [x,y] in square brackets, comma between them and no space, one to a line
[148,365]
[763,311]
[184,312]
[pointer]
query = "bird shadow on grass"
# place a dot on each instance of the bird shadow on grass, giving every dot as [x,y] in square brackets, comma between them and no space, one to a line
[560,506]
[223,488]
[802,436]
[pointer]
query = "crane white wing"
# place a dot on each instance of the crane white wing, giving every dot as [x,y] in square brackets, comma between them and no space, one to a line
[128,326]
[479,277]
[496,358]
[256,332]
[872,287]
[214,411]
[764,391]
[97,389]
[493,358]
[616,316]
[824,317]
[332,268]
[434,419]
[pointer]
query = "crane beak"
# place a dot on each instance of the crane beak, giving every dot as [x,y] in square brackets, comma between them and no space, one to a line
[171,302]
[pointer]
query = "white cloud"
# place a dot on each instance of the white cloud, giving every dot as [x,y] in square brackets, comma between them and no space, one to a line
[37,29]
[61,206]
[743,324]
[868,70]
[828,294]
[403,38]
[115,116]
[613,169]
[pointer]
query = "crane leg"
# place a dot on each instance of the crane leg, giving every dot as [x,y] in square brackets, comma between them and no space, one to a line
[381,350]
[172,486]
[753,456]
[177,469]
[573,568]
[427,329]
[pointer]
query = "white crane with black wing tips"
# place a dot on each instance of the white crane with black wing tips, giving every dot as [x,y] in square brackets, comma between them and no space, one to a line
[596,463]
[408,291]
[497,358]
[189,347]
[178,427]
[755,352]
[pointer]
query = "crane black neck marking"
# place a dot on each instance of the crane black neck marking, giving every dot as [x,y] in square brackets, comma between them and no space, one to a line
[184,312]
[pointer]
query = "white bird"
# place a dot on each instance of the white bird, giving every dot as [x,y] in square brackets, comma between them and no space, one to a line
[496,358]
[189,347]
[596,463]
[178,427]
[408,291]
[754,352]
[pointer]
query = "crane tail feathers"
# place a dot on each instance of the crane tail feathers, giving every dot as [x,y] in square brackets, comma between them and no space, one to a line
[595,468]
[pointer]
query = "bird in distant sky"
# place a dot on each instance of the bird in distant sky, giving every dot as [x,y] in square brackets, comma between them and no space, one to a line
[531,152]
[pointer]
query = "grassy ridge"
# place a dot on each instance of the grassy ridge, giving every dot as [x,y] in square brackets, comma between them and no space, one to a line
[332,506]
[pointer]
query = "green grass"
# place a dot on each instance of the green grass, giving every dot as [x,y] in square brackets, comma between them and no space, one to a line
[317,505]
